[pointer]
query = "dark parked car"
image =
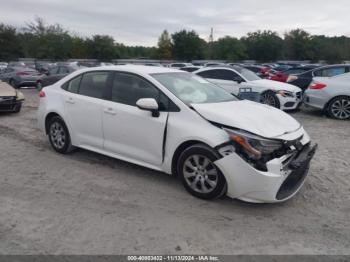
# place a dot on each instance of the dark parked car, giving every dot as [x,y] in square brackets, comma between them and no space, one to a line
[55,74]
[190,68]
[283,76]
[20,76]
[303,80]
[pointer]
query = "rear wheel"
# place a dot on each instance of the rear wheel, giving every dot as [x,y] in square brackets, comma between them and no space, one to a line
[59,136]
[270,98]
[339,108]
[199,174]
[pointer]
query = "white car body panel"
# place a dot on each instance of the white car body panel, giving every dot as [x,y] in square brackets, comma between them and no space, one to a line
[336,86]
[258,86]
[130,134]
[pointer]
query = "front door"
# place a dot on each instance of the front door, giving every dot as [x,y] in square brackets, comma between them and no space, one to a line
[129,131]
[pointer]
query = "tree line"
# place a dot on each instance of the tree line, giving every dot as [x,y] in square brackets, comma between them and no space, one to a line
[43,41]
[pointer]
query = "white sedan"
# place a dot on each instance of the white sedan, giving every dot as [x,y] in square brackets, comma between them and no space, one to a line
[181,124]
[235,78]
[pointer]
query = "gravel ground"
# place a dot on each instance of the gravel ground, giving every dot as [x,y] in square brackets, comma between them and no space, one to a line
[86,203]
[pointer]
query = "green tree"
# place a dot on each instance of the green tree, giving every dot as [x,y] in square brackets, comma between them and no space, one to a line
[10,47]
[187,45]
[164,46]
[297,45]
[263,45]
[229,48]
[101,47]
[46,41]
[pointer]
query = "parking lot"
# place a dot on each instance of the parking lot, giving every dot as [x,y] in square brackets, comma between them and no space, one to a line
[86,203]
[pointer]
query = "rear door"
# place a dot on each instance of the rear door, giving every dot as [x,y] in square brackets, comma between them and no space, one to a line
[84,106]
[129,131]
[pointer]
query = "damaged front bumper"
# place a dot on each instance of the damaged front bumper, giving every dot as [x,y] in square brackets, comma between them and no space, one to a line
[283,179]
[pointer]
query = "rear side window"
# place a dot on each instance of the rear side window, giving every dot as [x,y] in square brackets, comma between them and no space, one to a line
[219,74]
[73,85]
[329,72]
[93,84]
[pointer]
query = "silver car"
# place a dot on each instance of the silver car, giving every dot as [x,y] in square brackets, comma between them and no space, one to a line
[20,76]
[332,95]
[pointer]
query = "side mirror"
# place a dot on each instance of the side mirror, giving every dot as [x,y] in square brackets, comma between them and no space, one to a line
[148,104]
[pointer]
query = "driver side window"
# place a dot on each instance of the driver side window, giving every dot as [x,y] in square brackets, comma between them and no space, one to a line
[128,89]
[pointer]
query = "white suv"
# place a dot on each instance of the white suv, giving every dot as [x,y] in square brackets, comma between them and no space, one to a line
[179,123]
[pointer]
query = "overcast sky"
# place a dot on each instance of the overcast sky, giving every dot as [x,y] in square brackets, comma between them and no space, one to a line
[140,22]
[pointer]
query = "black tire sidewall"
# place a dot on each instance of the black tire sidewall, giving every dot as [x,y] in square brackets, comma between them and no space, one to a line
[213,156]
[67,144]
[329,110]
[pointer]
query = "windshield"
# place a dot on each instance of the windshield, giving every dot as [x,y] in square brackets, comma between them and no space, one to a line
[193,89]
[247,74]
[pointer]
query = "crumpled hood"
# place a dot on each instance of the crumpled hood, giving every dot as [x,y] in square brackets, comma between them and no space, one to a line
[275,85]
[6,89]
[253,117]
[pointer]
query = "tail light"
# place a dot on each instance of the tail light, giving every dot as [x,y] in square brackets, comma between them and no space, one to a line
[42,94]
[291,78]
[22,73]
[317,86]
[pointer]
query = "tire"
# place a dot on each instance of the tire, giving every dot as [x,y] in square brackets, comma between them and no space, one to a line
[339,108]
[270,98]
[18,108]
[59,135]
[196,164]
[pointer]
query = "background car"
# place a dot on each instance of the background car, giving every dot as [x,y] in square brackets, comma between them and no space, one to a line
[20,76]
[190,68]
[283,76]
[331,95]
[3,65]
[303,80]
[179,65]
[261,71]
[54,74]
[237,79]
[10,98]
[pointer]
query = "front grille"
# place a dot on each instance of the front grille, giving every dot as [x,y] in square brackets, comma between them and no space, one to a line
[292,183]
[7,103]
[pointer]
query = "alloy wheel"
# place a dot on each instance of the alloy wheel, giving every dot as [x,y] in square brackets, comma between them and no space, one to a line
[58,135]
[268,99]
[200,173]
[341,108]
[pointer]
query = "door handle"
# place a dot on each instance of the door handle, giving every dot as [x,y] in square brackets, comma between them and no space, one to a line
[70,100]
[110,111]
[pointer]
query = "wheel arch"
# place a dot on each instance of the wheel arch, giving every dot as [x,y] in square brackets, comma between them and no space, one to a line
[184,145]
[333,98]
[48,117]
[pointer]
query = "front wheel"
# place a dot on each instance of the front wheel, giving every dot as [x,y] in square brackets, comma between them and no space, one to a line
[59,136]
[198,173]
[270,98]
[339,108]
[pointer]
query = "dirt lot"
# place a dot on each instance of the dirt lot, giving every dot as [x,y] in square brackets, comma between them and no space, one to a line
[85,203]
